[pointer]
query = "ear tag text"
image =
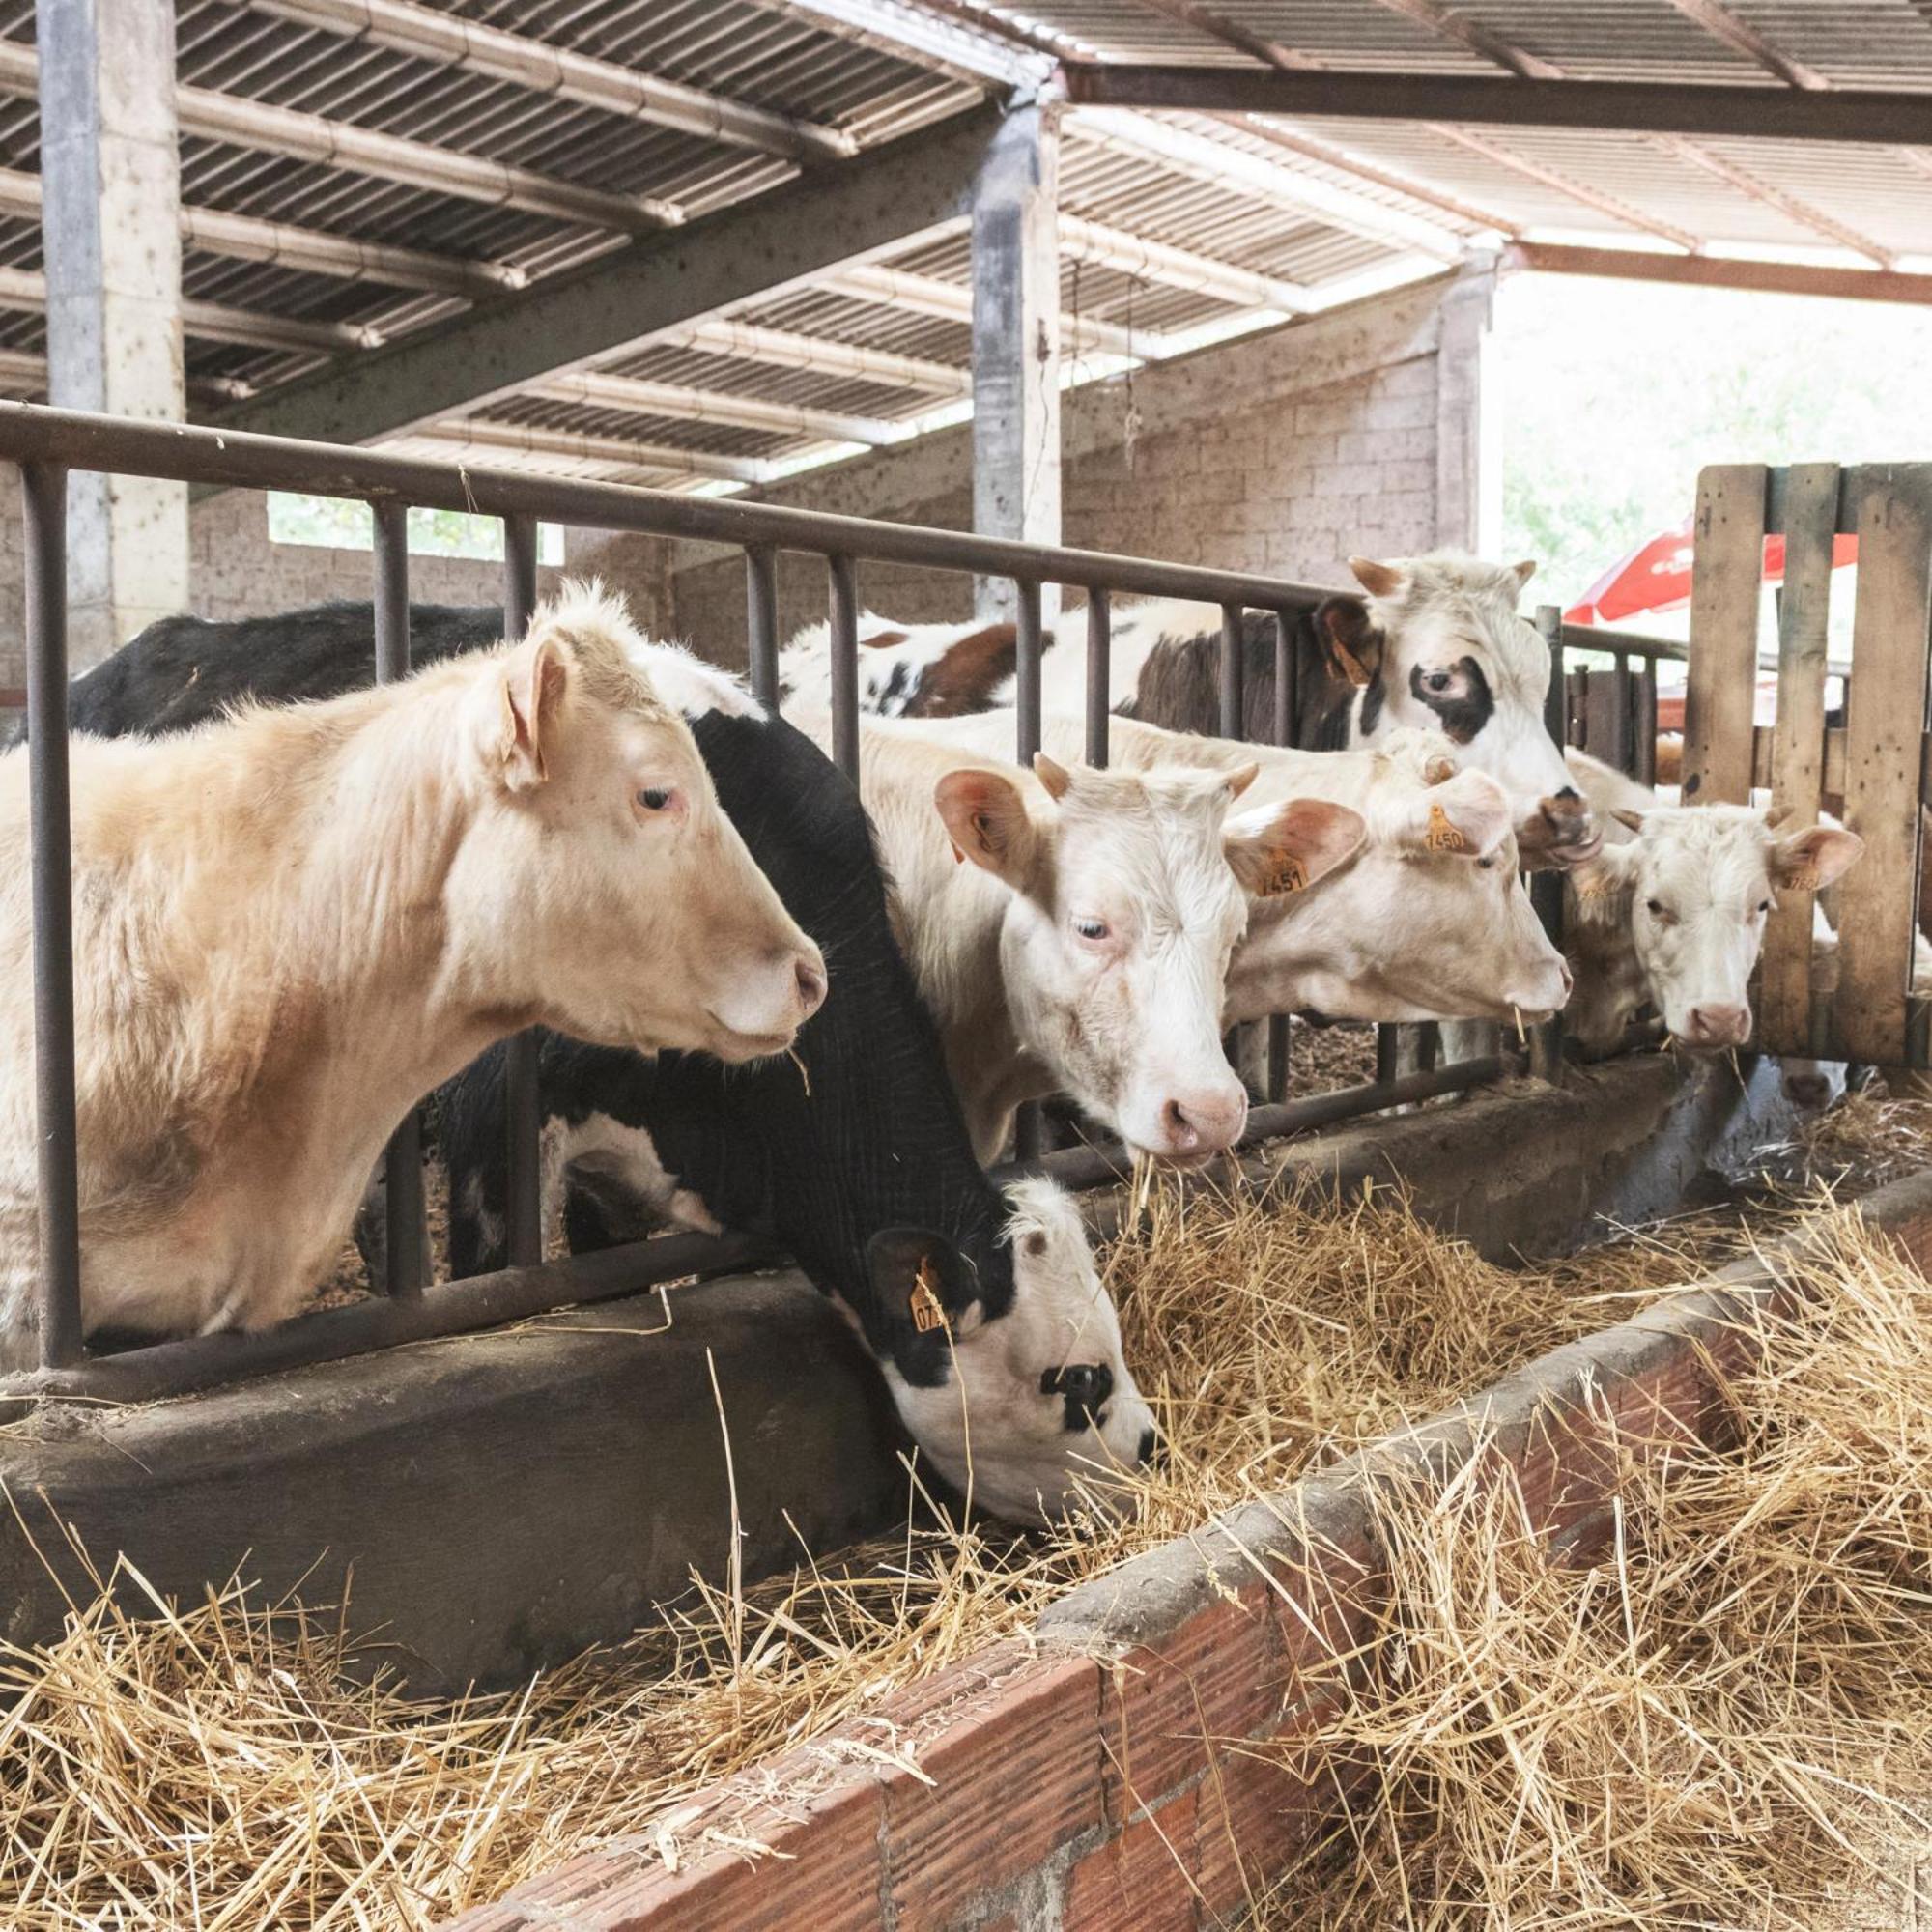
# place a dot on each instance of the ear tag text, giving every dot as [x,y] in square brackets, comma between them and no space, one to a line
[1803,879]
[1289,875]
[1441,835]
[929,1312]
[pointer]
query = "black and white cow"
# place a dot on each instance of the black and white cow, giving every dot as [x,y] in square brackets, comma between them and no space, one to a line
[996,1337]
[1436,643]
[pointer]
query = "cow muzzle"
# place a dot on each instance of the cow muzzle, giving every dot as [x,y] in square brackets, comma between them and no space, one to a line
[1714,1027]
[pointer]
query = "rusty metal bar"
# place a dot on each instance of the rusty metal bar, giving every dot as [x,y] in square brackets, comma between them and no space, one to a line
[1028,1130]
[523,1107]
[404,1230]
[761,623]
[1545,889]
[1233,670]
[1099,673]
[1287,695]
[843,641]
[44,507]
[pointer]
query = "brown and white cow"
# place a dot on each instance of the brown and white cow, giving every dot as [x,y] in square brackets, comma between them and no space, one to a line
[1426,919]
[1436,644]
[1072,931]
[290,924]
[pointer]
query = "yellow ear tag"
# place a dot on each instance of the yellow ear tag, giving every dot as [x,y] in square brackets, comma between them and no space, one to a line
[1442,836]
[1290,875]
[927,1311]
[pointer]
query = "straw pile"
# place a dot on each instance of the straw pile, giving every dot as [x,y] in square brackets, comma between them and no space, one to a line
[227,1764]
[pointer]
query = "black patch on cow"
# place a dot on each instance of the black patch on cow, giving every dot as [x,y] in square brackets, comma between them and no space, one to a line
[1179,687]
[1085,1388]
[1372,709]
[896,685]
[1462,703]
[862,1132]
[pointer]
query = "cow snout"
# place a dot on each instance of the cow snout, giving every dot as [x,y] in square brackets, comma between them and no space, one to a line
[1562,833]
[808,975]
[1717,1026]
[1195,1124]
[1152,1449]
[1548,992]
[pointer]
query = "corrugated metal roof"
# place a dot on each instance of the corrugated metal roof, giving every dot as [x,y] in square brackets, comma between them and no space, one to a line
[1320,204]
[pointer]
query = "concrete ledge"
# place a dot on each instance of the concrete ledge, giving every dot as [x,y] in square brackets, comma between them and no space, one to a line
[1095,1777]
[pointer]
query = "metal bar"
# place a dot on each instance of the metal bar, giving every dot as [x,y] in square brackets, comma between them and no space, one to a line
[844,647]
[1287,695]
[761,621]
[485,1301]
[1632,643]
[44,504]
[1388,1053]
[238,459]
[1096,1166]
[1099,673]
[521,1103]
[1026,671]
[405,1229]
[1280,1051]
[1545,889]
[1647,108]
[1645,705]
[1233,669]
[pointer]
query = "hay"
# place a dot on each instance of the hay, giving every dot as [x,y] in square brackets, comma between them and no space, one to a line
[1724,1722]
[242,1765]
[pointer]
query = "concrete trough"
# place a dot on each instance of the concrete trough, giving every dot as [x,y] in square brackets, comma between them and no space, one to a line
[503,1501]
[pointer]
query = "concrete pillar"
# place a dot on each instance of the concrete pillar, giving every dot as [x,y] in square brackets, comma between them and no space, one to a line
[1468,470]
[1016,340]
[110,173]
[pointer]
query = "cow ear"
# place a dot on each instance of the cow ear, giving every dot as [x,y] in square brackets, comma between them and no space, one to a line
[988,822]
[1053,775]
[1379,580]
[1286,848]
[1242,777]
[919,1277]
[535,677]
[1630,821]
[1599,883]
[1350,643]
[1467,816]
[1808,861]
[1522,572]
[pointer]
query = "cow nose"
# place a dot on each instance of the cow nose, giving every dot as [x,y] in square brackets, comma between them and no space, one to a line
[1152,1445]
[1720,1026]
[811,980]
[1202,1122]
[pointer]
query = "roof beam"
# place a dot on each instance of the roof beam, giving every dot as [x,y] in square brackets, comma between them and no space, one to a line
[1234,169]
[340,144]
[1152,261]
[952,302]
[524,438]
[1710,271]
[921,38]
[215,322]
[449,40]
[1346,161]
[747,251]
[594,389]
[821,356]
[1643,107]
[244,239]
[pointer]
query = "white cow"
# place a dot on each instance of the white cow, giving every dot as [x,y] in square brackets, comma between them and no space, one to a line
[291,924]
[1671,913]
[1072,931]
[1427,921]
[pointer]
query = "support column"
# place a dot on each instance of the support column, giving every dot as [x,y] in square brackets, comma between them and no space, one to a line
[1468,472]
[110,173]
[1016,341]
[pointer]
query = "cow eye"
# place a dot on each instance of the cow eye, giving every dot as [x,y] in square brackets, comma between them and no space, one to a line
[1091,928]
[1437,680]
[1657,909]
[656,798]
[1763,906]
[1488,865]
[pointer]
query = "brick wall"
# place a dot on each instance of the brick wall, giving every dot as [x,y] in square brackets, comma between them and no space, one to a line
[1286,453]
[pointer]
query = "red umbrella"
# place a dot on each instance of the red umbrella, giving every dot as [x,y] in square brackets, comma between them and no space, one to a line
[1655,576]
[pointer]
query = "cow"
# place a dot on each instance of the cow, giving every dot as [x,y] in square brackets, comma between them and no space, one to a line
[289,924]
[1071,929]
[853,1156]
[1671,913]
[1436,643]
[1424,918]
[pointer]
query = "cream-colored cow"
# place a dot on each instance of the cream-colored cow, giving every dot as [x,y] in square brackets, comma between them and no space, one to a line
[290,924]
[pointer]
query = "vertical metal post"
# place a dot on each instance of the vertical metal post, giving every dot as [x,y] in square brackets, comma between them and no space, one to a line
[1027,1136]
[1545,889]
[405,1229]
[1645,707]
[1232,671]
[523,1112]
[761,623]
[1280,1040]
[1388,1052]
[44,499]
[1100,674]
[845,612]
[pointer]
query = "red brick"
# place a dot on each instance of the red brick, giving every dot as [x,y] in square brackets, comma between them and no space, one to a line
[1141,1881]
[1015,1774]
[1252,1817]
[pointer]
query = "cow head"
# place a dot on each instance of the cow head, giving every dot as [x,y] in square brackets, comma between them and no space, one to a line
[1438,644]
[1029,1409]
[1692,890]
[1124,909]
[597,887]
[1430,921]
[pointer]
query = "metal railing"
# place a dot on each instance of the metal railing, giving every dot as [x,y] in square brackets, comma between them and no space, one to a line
[46,443]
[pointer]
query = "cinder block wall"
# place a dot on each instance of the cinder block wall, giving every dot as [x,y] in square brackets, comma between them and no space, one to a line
[1286,453]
